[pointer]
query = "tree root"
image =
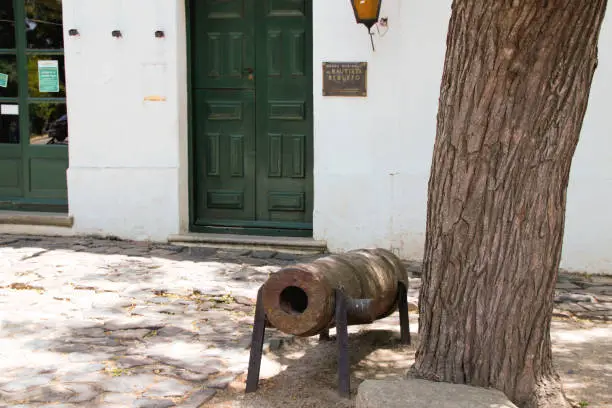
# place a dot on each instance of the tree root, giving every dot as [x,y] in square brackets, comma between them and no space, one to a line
[548,394]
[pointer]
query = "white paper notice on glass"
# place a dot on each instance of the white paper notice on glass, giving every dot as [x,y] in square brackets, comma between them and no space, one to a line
[9,109]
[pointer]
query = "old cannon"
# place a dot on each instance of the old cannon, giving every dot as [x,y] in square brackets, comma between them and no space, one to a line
[357,287]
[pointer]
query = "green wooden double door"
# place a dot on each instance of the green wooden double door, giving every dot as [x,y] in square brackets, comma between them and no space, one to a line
[33,122]
[252,145]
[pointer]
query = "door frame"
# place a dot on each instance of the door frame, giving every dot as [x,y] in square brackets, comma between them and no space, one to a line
[237,227]
[47,201]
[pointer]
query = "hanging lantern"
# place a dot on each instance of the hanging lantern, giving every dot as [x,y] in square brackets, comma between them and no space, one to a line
[367,13]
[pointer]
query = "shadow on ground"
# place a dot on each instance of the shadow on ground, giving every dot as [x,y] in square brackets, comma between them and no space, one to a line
[77,361]
[106,322]
[583,360]
[307,371]
[144,249]
[307,374]
[151,313]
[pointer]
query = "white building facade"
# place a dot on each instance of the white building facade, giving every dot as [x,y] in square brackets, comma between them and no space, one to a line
[193,116]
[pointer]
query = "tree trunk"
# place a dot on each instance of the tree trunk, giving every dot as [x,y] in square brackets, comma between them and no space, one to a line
[513,97]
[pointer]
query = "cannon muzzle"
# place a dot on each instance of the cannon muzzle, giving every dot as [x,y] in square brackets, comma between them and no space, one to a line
[299,299]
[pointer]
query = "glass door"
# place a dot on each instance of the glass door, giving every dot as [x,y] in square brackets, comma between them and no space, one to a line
[33,120]
[11,172]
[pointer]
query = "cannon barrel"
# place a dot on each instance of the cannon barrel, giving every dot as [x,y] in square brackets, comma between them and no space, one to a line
[299,299]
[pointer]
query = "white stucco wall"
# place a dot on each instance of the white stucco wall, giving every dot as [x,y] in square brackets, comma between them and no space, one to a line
[126,154]
[588,227]
[372,156]
[128,157]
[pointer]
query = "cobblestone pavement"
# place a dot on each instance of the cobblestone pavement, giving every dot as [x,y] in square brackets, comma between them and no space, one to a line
[583,296]
[91,322]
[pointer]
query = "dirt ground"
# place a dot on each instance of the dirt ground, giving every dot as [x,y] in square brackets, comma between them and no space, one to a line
[303,374]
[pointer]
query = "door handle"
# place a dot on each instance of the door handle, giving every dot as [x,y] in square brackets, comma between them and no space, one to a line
[248,72]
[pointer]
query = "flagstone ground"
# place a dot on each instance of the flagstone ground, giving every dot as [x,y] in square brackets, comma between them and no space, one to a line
[105,323]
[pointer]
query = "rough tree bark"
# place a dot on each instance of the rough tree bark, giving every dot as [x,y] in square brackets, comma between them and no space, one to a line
[513,97]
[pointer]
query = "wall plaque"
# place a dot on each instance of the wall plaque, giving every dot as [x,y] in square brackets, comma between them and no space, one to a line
[345,79]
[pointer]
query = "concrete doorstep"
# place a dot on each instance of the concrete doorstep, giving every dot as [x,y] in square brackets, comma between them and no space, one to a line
[422,393]
[36,219]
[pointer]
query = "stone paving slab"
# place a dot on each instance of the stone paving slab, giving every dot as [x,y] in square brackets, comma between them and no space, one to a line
[99,322]
[422,393]
[88,321]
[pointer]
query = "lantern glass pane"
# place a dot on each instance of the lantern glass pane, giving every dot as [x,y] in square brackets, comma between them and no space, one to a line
[366,9]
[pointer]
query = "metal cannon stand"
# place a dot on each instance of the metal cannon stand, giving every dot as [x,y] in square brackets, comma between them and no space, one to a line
[344,304]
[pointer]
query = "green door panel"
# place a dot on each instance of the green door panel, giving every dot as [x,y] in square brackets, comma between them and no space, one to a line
[47,169]
[224,148]
[252,129]
[223,53]
[284,112]
[11,177]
